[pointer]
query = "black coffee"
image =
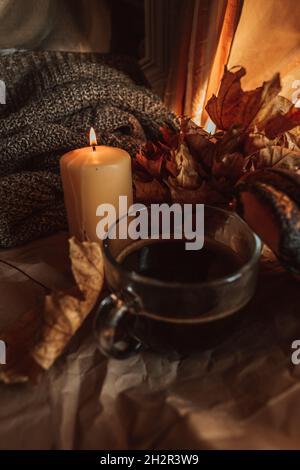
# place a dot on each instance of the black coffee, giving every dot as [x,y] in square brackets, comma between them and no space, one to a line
[168,260]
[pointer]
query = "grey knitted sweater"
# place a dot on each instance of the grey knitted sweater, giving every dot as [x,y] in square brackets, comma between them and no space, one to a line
[52,101]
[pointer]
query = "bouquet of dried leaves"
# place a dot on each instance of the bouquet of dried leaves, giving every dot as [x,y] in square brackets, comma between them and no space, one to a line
[255,129]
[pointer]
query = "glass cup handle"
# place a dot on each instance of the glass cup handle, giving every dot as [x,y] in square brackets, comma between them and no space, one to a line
[107,329]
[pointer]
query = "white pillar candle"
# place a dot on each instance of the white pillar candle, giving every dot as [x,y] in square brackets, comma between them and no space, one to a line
[92,176]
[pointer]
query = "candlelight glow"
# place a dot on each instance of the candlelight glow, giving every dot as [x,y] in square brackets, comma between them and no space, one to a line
[93,138]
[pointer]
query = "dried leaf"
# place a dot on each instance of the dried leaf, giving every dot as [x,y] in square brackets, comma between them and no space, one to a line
[229,142]
[234,107]
[255,141]
[200,147]
[63,313]
[187,170]
[189,133]
[275,107]
[231,167]
[150,157]
[40,336]
[178,155]
[171,165]
[296,133]
[291,141]
[149,191]
[280,157]
[203,194]
[170,137]
[283,123]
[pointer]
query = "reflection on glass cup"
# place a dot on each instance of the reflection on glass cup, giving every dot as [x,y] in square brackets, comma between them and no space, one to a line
[169,301]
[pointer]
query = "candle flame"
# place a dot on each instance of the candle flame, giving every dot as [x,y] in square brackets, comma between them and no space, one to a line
[93,138]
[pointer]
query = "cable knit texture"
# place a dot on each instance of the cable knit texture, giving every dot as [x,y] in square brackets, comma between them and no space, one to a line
[53,98]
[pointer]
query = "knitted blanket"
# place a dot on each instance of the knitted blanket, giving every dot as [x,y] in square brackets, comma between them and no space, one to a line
[52,101]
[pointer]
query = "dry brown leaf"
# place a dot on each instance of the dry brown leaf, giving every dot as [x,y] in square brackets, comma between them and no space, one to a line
[228,143]
[231,167]
[275,107]
[291,141]
[198,142]
[151,157]
[296,132]
[255,141]
[273,156]
[170,137]
[204,194]
[234,107]
[187,169]
[63,313]
[283,122]
[39,337]
[280,157]
[149,191]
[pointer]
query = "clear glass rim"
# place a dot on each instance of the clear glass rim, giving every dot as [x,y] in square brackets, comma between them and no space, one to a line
[139,278]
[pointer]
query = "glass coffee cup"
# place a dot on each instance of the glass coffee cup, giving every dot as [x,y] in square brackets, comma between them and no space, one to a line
[168,309]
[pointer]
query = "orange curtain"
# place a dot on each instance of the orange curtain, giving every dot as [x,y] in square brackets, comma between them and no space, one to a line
[204,42]
[267,41]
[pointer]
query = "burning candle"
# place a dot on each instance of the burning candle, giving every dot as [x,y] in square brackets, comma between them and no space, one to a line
[92,176]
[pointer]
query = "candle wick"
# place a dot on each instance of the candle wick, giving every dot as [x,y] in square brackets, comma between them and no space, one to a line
[94,148]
